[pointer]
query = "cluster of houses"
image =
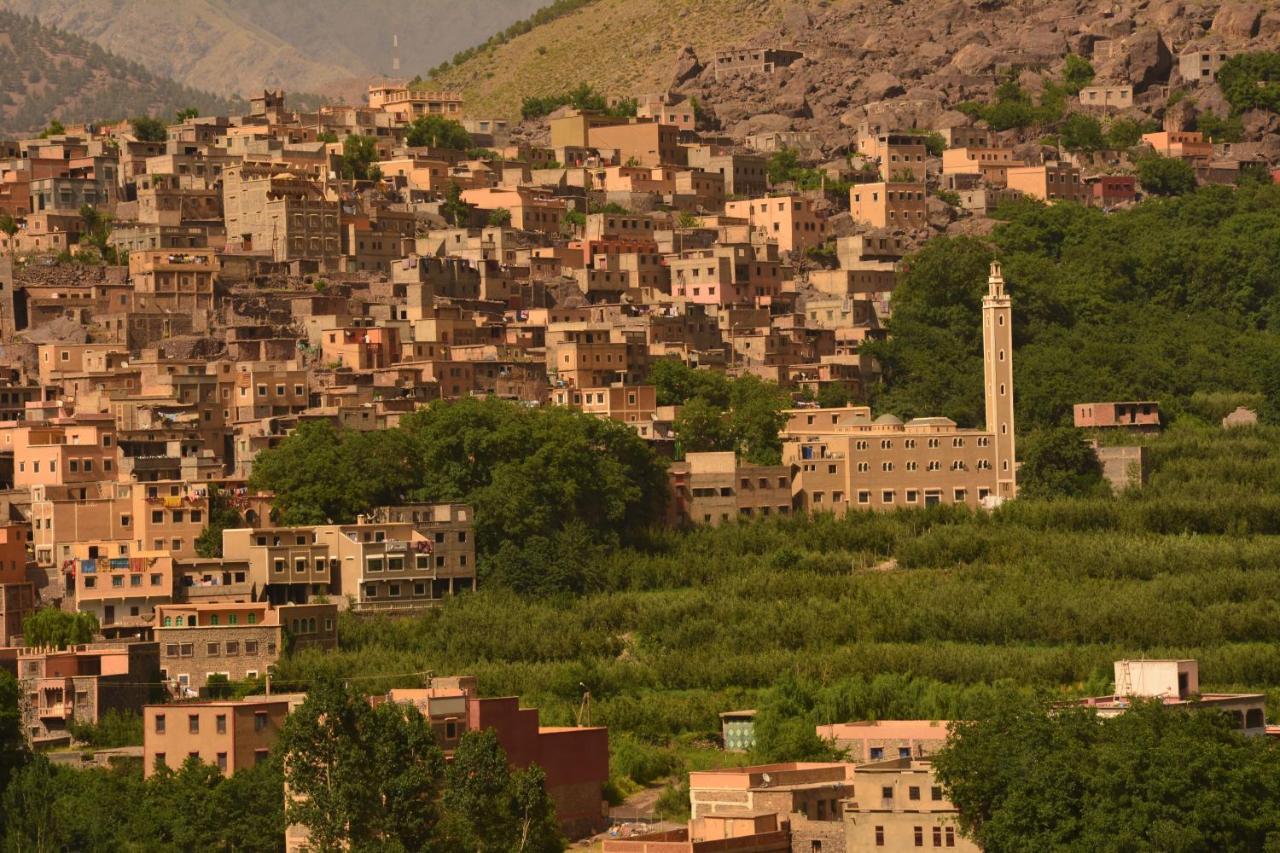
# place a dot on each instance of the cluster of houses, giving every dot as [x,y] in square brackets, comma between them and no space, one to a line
[170,308]
[884,795]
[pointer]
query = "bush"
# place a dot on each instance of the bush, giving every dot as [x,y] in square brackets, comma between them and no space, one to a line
[1166,175]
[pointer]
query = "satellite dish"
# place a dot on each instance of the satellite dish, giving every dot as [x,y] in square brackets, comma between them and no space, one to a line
[765,778]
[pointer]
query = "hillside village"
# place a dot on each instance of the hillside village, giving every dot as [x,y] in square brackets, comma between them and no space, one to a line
[185,298]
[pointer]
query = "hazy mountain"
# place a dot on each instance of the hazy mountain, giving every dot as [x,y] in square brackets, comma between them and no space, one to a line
[241,46]
[46,73]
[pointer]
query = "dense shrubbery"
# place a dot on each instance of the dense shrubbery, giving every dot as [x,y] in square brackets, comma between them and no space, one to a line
[1164,301]
[531,474]
[926,613]
[545,15]
[1150,779]
[718,413]
[1251,81]
[581,97]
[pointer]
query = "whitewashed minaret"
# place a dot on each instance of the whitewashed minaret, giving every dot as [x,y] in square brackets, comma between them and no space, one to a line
[997,359]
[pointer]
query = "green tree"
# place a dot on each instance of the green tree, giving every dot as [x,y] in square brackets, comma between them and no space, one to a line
[327,136]
[1251,81]
[701,426]
[361,778]
[1057,462]
[55,128]
[1081,132]
[113,729]
[322,474]
[455,211]
[148,129]
[437,132]
[187,113]
[9,227]
[1124,133]
[1076,73]
[222,516]
[359,156]
[677,383]
[531,472]
[1025,779]
[251,808]
[1166,175]
[50,627]
[1218,129]
[14,753]
[756,416]
[575,220]
[785,726]
[783,165]
[97,229]
[833,396]
[537,829]
[491,810]
[499,217]
[29,809]
[566,561]
[475,798]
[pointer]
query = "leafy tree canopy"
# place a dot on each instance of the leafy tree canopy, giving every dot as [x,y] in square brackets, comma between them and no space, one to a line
[1150,779]
[437,132]
[1057,462]
[51,627]
[148,129]
[1162,301]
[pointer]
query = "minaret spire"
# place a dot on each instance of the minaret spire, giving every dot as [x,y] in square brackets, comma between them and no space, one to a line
[997,359]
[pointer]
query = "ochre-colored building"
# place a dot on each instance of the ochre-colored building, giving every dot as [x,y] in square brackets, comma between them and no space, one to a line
[230,735]
[842,459]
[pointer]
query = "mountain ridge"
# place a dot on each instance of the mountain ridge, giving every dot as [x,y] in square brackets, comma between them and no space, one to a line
[239,47]
[47,73]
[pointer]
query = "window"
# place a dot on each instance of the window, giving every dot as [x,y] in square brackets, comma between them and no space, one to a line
[905,752]
[951,836]
[886,792]
[879,836]
[886,496]
[260,721]
[222,761]
[220,724]
[193,724]
[159,724]
[250,647]
[877,753]
[935,793]
[913,793]
[918,834]
[213,649]
[160,762]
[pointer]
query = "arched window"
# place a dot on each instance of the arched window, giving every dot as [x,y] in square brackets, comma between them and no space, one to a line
[168,621]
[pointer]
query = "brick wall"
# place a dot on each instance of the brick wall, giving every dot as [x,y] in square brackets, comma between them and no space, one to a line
[200,662]
[829,835]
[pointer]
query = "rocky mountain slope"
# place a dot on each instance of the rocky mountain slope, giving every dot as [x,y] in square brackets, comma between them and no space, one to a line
[915,58]
[46,73]
[238,47]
